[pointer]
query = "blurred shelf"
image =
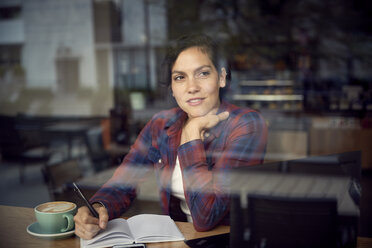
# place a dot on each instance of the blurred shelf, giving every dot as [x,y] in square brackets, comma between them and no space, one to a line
[271,82]
[251,97]
[268,92]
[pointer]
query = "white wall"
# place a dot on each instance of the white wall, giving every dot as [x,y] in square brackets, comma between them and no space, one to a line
[52,25]
[133,25]
[133,19]
[11,32]
[158,22]
[134,35]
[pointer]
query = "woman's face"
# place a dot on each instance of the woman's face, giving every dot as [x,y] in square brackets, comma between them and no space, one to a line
[196,83]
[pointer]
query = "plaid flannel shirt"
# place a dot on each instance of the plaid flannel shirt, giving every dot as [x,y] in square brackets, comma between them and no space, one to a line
[238,141]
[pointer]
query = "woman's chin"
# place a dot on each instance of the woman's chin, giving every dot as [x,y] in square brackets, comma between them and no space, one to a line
[197,114]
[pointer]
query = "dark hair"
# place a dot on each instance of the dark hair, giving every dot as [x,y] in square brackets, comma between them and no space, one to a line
[202,41]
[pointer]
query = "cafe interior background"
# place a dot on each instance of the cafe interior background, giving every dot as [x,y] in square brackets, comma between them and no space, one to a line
[304,64]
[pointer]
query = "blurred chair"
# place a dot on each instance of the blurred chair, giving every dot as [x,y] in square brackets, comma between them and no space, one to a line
[339,164]
[22,145]
[292,222]
[59,178]
[99,158]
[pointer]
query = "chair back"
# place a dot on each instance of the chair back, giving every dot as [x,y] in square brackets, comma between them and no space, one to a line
[11,143]
[58,176]
[292,222]
[96,149]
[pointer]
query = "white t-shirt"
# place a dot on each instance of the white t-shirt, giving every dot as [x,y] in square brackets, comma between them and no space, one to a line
[177,189]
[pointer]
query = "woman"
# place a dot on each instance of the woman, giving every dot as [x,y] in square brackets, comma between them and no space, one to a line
[190,147]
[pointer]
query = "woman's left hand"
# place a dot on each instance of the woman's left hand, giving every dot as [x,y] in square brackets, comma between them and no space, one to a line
[195,127]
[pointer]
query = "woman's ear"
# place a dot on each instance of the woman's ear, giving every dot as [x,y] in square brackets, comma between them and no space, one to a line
[222,78]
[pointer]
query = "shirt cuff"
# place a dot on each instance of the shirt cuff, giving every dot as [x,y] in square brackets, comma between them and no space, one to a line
[100,203]
[191,153]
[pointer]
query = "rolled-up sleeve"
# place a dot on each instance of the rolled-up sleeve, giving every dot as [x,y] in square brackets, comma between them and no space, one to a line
[118,193]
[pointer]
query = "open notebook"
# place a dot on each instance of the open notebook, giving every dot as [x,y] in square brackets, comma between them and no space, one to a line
[143,228]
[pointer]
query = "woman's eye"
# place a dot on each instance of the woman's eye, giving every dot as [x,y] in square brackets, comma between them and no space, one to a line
[178,78]
[204,74]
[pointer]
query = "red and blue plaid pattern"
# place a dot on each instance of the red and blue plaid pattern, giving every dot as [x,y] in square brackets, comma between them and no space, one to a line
[238,141]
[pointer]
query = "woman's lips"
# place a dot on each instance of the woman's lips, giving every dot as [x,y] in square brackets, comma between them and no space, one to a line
[195,101]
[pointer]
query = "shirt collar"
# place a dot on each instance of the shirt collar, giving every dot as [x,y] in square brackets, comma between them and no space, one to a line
[176,122]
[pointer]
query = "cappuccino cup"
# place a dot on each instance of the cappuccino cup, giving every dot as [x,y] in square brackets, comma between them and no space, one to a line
[56,216]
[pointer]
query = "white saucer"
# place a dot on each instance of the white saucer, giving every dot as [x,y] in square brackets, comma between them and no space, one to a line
[35,230]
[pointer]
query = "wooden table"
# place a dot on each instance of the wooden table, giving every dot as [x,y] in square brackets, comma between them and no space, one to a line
[14,221]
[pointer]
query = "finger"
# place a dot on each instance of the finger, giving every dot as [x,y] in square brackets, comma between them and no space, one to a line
[87,228]
[80,233]
[86,216]
[90,228]
[103,217]
[85,234]
[223,116]
[210,121]
[213,120]
[83,216]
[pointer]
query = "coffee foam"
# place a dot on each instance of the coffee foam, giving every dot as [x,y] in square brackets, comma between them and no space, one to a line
[55,207]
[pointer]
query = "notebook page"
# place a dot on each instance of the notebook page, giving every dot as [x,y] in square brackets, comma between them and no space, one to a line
[154,228]
[116,232]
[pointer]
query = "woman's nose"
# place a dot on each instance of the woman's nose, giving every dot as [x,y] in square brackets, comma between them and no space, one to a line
[192,86]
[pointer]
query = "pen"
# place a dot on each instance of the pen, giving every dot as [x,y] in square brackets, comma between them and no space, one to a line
[81,195]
